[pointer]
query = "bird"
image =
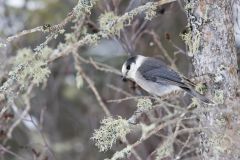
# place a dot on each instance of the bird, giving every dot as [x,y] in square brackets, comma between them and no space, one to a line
[158,79]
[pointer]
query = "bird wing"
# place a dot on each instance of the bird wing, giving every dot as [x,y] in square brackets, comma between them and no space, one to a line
[157,71]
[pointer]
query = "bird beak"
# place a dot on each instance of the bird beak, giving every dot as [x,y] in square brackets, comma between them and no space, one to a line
[124,79]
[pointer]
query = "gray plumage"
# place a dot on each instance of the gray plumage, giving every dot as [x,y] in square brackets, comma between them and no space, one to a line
[156,71]
[157,78]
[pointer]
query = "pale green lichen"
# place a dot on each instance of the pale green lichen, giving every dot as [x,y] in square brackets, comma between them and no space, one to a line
[144,104]
[23,56]
[218,96]
[123,154]
[151,11]
[193,37]
[83,6]
[70,38]
[195,103]
[189,5]
[192,41]
[33,66]
[111,129]
[91,39]
[201,88]
[110,24]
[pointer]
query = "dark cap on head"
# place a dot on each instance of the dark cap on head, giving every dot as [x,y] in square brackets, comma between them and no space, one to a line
[131,60]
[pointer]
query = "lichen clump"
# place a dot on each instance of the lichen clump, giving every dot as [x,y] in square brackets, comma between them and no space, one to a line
[110,23]
[201,88]
[219,96]
[83,6]
[111,129]
[144,104]
[192,41]
[151,11]
[33,68]
[123,154]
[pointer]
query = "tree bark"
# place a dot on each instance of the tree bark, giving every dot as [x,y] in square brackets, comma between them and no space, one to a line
[216,56]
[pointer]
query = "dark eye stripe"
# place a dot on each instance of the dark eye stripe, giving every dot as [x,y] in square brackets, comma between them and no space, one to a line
[128,67]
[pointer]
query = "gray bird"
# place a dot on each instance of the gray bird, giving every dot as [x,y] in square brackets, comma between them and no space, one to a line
[156,77]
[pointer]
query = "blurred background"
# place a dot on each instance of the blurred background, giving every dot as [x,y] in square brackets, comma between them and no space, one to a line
[63,117]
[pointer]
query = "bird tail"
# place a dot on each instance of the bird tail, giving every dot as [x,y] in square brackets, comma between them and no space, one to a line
[194,93]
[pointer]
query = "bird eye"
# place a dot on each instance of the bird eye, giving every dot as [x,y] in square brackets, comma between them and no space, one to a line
[128,67]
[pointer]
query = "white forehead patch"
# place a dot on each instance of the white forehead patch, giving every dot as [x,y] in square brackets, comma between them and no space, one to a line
[134,67]
[124,70]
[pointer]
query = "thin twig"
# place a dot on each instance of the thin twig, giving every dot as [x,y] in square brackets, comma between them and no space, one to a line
[44,28]
[178,48]
[44,139]
[119,90]
[24,113]
[25,32]
[184,145]
[157,40]
[90,83]
[3,149]
[124,99]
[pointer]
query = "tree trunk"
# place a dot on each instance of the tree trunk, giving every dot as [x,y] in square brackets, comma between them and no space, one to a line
[215,55]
